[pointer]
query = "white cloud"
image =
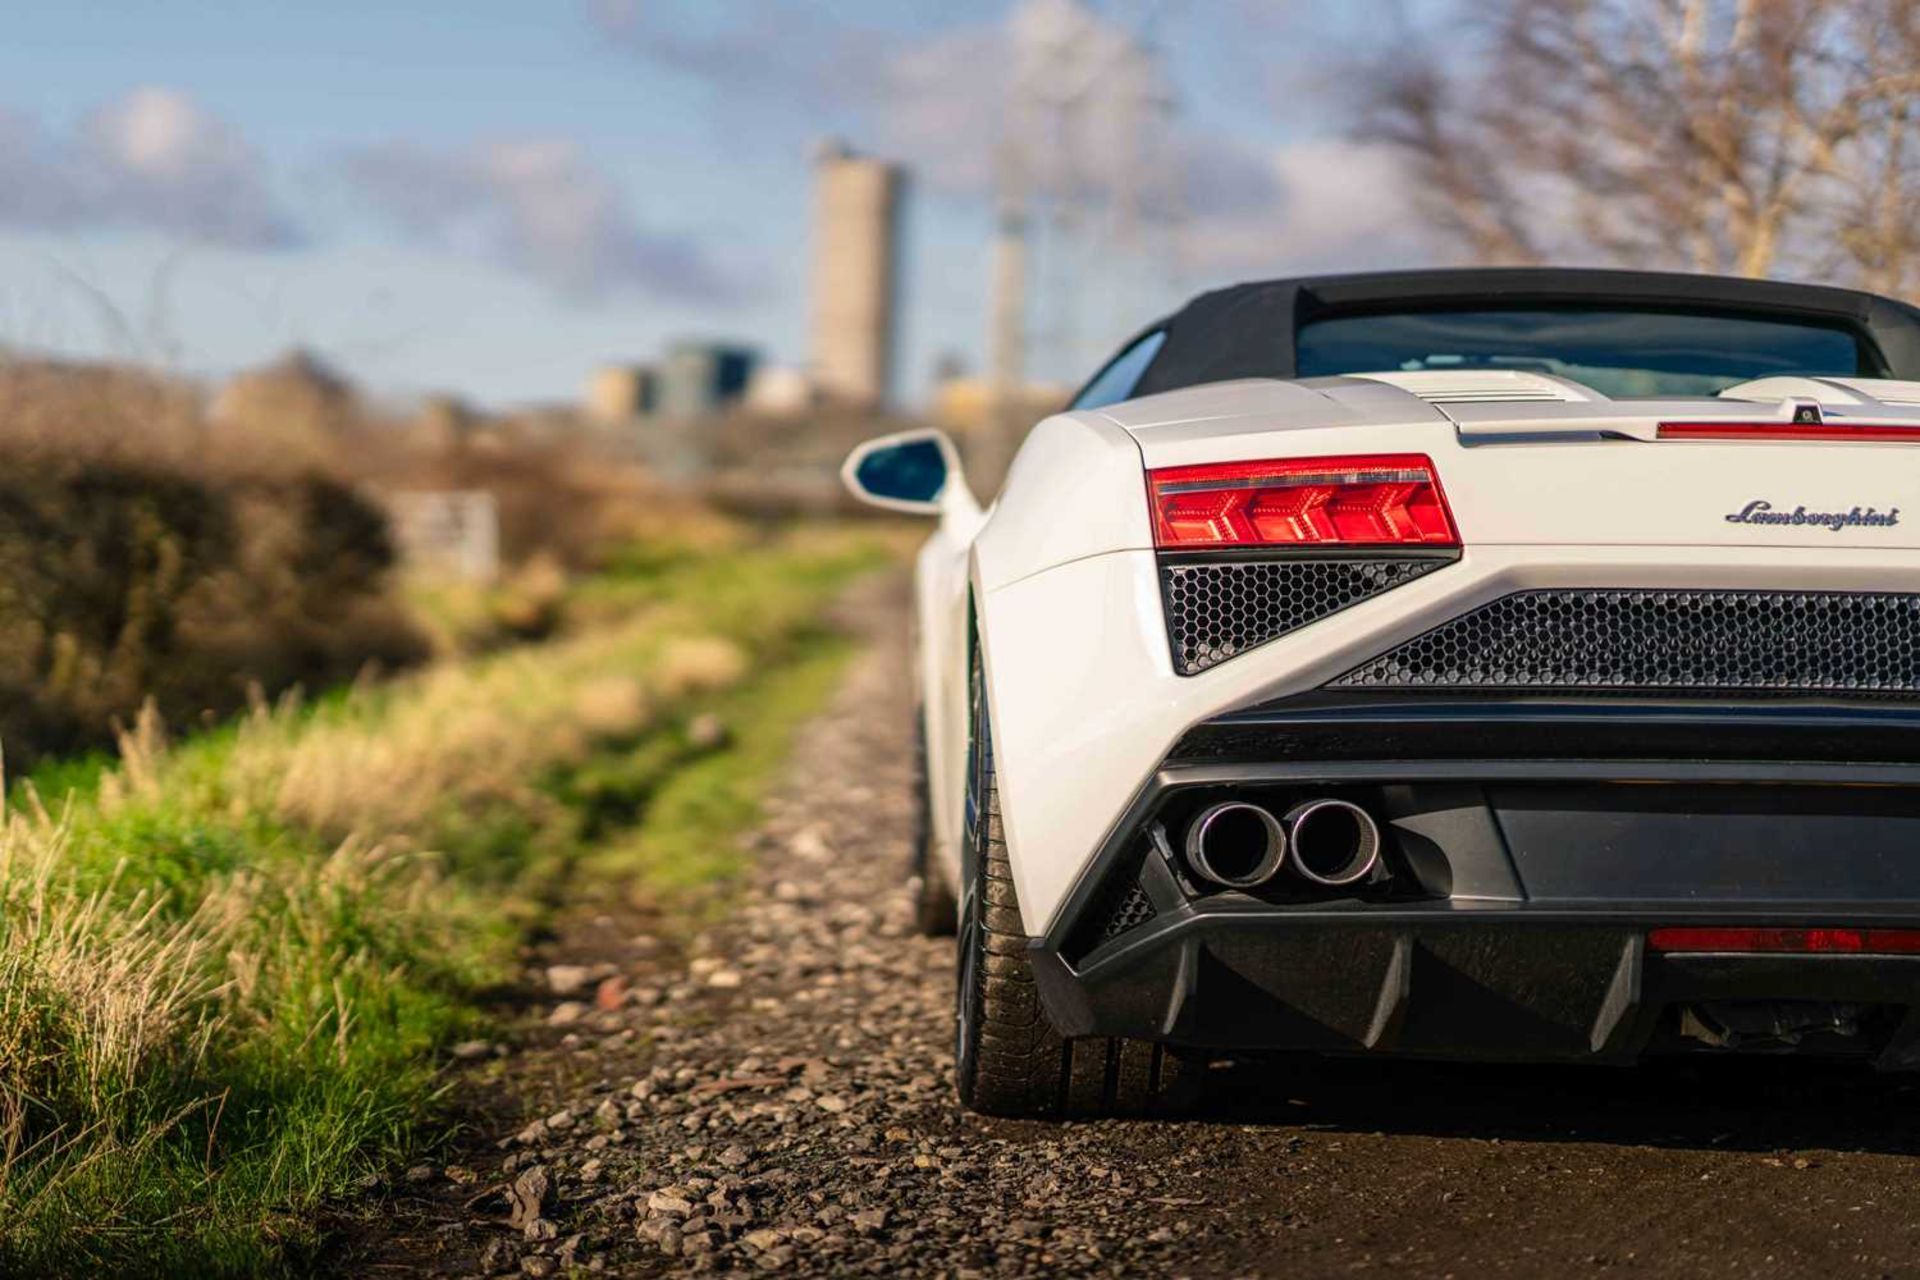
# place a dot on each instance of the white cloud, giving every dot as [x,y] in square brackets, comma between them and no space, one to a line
[161,134]
[939,101]
[939,105]
[536,205]
[161,160]
[1334,205]
[961,102]
[942,103]
[781,49]
[36,187]
[153,159]
[1319,204]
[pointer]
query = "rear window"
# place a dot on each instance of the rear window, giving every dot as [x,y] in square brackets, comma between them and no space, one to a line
[1122,374]
[1617,353]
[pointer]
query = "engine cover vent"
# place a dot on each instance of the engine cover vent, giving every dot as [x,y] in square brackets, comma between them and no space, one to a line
[1487,386]
[1218,609]
[1700,642]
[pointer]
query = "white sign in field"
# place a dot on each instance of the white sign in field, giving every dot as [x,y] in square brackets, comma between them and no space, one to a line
[447,533]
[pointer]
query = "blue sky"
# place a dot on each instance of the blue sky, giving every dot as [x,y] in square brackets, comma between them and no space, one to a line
[494,197]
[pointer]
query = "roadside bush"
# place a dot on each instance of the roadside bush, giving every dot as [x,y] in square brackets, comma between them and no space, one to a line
[123,582]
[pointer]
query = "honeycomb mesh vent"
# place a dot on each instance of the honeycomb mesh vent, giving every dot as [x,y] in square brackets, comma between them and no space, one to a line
[1705,641]
[1121,907]
[1217,609]
[1132,910]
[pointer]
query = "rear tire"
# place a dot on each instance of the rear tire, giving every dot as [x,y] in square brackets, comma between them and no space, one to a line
[1011,1061]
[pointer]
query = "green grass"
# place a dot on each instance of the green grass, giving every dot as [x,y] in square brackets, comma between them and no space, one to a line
[687,835]
[228,967]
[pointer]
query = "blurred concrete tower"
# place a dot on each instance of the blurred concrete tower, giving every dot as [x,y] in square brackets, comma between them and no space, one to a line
[856,230]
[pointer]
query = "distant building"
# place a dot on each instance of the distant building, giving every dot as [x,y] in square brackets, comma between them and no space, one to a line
[699,379]
[619,393]
[780,390]
[856,233]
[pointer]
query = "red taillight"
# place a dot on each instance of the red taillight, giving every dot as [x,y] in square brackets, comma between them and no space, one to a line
[1773,431]
[1741,938]
[1380,500]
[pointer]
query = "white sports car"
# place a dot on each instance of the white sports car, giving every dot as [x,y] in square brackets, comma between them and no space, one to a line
[1484,664]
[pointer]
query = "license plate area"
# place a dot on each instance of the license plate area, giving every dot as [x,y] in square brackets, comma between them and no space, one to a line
[1711,842]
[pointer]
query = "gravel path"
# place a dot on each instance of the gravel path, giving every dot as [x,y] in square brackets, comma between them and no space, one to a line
[777,1096]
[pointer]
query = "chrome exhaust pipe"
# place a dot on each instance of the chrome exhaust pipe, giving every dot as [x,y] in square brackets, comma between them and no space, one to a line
[1236,844]
[1331,842]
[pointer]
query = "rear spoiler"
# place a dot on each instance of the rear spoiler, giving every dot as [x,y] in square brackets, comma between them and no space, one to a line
[1514,407]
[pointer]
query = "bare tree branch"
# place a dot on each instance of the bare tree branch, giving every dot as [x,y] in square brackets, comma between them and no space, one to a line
[1746,136]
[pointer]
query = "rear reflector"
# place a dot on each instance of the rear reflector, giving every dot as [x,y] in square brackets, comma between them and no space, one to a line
[1774,431]
[1737,938]
[1380,500]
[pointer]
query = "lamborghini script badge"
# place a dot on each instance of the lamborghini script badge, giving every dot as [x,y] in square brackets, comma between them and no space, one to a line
[1760,511]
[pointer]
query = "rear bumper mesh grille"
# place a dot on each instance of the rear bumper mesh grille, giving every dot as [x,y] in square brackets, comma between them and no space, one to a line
[1217,609]
[1711,642]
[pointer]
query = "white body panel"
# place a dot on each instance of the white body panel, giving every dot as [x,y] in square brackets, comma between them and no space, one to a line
[1561,489]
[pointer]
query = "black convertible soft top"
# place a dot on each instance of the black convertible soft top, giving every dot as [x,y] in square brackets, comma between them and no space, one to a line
[1247,331]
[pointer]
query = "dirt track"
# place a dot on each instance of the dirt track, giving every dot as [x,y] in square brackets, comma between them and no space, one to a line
[778,1097]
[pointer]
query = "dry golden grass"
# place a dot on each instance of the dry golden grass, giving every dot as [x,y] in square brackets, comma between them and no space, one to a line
[612,706]
[698,664]
[99,993]
[474,736]
[100,974]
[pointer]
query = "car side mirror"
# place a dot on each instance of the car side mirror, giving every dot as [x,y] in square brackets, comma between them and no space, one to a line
[914,471]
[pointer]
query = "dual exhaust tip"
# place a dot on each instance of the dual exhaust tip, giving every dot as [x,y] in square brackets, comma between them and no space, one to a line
[1329,843]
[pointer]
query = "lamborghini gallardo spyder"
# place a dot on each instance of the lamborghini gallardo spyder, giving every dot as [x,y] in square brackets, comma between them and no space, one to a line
[1494,665]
